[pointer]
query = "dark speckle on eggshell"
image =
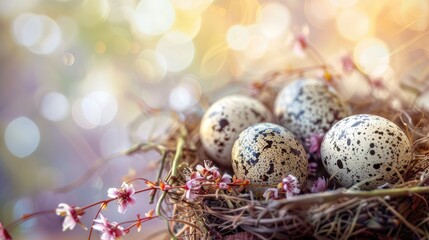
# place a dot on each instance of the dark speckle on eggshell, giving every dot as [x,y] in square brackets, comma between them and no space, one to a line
[265,153]
[223,122]
[362,157]
[309,106]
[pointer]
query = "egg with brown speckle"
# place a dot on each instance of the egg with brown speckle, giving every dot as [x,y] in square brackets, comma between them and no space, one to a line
[309,106]
[265,153]
[224,120]
[366,150]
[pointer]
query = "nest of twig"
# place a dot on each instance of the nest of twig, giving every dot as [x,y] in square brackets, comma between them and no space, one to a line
[396,211]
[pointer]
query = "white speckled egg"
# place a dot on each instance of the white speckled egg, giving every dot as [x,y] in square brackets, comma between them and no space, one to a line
[223,122]
[265,153]
[309,106]
[365,149]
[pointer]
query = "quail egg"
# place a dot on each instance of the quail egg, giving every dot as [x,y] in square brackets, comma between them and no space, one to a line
[366,150]
[265,153]
[309,106]
[224,120]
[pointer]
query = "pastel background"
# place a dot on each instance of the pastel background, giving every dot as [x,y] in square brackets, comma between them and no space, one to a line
[76,76]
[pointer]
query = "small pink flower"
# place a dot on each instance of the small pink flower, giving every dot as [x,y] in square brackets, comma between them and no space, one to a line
[320,185]
[193,187]
[348,63]
[124,195]
[314,142]
[208,171]
[72,215]
[290,186]
[109,230]
[4,235]
[271,193]
[300,44]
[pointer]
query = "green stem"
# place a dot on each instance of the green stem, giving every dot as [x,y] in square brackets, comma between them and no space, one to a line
[179,152]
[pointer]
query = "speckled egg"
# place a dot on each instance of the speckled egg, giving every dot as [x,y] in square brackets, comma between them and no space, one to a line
[366,150]
[223,122]
[265,153]
[309,106]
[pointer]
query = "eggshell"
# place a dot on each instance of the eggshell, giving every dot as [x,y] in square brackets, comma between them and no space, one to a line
[265,153]
[223,122]
[309,106]
[365,149]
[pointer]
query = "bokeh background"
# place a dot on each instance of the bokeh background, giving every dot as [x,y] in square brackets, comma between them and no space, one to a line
[76,77]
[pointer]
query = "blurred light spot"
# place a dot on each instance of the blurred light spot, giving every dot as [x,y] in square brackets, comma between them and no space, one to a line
[54,106]
[94,12]
[78,112]
[39,33]
[274,19]
[69,30]
[178,50]
[21,207]
[154,17]
[113,141]
[68,59]
[97,109]
[423,101]
[353,23]
[414,14]
[343,3]
[237,37]
[192,5]
[214,59]
[97,183]
[187,22]
[319,11]
[151,66]
[258,43]
[10,8]
[185,95]
[155,128]
[100,47]
[22,137]
[372,56]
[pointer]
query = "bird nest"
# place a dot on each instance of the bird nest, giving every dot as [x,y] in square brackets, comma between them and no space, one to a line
[395,210]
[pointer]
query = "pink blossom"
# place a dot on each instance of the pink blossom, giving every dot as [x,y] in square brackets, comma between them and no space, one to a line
[124,195]
[320,185]
[193,187]
[348,64]
[109,230]
[4,235]
[271,193]
[208,171]
[290,186]
[224,181]
[300,44]
[313,143]
[72,215]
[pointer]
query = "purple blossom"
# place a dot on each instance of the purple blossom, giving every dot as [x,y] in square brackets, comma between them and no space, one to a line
[193,187]
[109,230]
[124,195]
[271,193]
[208,171]
[348,63]
[224,181]
[300,44]
[4,235]
[72,215]
[290,186]
[313,143]
[320,185]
